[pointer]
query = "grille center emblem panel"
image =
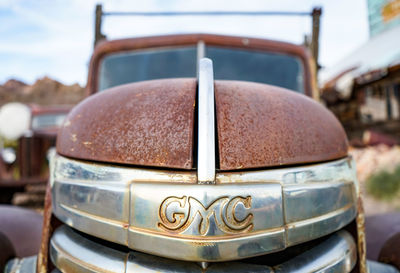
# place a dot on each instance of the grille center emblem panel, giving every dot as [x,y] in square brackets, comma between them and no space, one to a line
[179,214]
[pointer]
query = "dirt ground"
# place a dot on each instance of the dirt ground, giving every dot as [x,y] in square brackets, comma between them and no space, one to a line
[371,160]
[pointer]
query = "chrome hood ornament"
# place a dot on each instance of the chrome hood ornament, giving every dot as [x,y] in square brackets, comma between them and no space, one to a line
[206,126]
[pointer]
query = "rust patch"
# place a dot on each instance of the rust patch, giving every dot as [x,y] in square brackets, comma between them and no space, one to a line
[361,240]
[42,259]
[147,123]
[50,223]
[263,126]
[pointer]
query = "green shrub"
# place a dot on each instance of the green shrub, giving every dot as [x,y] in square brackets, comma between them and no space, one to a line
[8,143]
[384,184]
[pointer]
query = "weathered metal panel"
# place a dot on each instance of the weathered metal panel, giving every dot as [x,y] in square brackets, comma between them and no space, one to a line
[263,126]
[147,123]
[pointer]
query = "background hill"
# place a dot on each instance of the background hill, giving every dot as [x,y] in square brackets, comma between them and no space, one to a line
[44,91]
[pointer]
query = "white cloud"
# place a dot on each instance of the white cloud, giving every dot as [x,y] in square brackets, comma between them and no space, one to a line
[66,29]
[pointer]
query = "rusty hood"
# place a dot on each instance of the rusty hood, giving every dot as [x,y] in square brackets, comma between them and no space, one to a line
[153,123]
[146,123]
[265,126]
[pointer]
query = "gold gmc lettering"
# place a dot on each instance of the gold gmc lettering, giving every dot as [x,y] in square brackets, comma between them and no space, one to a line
[179,217]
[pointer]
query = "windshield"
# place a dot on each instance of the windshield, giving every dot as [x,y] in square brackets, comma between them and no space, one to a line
[144,65]
[255,66]
[45,121]
[273,68]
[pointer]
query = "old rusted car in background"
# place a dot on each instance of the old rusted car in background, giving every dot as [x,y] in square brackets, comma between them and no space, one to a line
[26,163]
[200,153]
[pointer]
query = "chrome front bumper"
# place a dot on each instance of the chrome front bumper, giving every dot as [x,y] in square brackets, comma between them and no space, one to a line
[244,214]
[72,252]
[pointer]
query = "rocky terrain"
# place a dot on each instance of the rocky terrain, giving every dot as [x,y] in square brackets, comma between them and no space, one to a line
[44,91]
[371,160]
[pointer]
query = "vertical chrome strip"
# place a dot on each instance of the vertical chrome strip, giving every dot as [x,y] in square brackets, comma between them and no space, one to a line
[206,129]
[201,53]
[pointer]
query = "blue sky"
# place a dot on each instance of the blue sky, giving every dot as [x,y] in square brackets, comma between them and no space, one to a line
[55,37]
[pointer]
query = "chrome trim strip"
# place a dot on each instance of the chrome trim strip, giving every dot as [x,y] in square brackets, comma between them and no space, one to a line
[21,265]
[201,53]
[341,256]
[226,221]
[337,170]
[206,127]
[71,252]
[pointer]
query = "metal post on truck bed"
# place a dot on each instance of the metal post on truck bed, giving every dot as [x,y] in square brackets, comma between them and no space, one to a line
[316,17]
[97,24]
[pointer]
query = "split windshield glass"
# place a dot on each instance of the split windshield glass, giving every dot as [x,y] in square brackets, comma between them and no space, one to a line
[180,62]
